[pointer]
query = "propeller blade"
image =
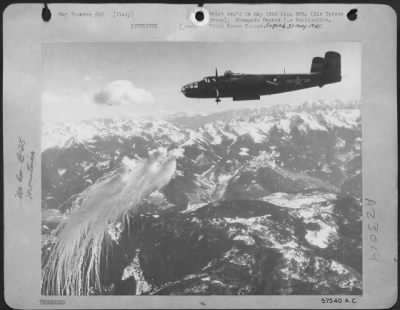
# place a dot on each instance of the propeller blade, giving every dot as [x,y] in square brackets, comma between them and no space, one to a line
[216,89]
[217,96]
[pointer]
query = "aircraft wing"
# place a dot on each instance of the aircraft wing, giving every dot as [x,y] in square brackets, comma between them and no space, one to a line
[258,79]
[273,82]
[248,79]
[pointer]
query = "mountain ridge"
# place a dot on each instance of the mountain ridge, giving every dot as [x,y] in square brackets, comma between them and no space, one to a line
[289,174]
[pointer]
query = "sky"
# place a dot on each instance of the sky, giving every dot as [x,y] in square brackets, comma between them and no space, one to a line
[84,81]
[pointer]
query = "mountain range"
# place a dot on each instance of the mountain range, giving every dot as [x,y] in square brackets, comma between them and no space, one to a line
[263,201]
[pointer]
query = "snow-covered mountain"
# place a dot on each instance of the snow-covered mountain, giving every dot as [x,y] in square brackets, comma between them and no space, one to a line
[69,134]
[278,185]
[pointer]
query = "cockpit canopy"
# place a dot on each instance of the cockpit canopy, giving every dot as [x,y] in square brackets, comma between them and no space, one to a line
[209,79]
[213,79]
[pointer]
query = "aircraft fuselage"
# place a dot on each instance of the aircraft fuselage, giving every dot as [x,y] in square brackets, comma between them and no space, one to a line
[251,86]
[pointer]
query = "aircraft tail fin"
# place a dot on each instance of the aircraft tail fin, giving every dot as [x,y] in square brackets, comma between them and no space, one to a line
[317,64]
[330,66]
[332,70]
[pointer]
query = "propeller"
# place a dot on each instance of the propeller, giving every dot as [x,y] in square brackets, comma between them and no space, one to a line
[217,100]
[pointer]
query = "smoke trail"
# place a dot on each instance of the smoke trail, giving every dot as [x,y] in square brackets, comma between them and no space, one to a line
[74,263]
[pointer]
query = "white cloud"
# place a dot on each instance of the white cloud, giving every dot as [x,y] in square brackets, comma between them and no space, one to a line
[118,99]
[122,92]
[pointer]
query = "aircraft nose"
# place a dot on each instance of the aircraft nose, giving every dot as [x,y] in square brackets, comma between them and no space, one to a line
[184,89]
[189,90]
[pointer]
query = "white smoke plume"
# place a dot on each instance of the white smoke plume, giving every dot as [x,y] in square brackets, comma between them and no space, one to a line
[73,266]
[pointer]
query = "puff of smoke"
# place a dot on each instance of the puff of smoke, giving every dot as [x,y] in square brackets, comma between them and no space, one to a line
[73,266]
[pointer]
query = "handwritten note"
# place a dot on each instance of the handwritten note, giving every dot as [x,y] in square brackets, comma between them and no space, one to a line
[25,170]
[373,230]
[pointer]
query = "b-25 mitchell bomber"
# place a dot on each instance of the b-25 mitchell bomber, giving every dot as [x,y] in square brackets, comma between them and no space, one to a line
[240,86]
